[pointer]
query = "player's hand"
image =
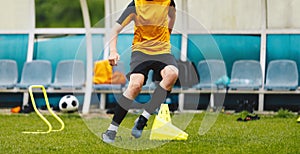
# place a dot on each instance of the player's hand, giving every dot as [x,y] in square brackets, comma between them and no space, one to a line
[113,58]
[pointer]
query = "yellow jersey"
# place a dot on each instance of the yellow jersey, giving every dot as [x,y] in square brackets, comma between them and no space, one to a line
[151,28]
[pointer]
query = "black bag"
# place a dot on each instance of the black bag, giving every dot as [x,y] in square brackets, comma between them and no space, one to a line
[188,75]
[245,105]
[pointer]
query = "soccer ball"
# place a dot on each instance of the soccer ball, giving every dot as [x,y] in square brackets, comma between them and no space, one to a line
[68,103]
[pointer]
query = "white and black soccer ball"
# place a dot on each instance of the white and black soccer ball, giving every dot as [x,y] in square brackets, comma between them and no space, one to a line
[68,103]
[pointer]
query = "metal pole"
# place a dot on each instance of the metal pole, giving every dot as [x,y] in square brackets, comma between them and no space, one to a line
[89,57]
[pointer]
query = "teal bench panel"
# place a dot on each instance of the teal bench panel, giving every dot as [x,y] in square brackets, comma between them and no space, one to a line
[14,46]
[98,46]
[283,46]
[221,46]
[67,47]
[176,45]
[124,49]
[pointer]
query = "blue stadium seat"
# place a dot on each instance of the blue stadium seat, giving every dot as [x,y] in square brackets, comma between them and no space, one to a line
[107,86]
[69,74]
[210,71]
[36,72]
[282,75]
[8,73]
[246,74]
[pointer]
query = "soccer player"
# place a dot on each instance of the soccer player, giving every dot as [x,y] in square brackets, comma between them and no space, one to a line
[151,49]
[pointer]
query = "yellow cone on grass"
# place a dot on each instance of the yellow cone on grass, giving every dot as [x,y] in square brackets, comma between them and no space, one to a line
[162,128]
[164,112]
[298,120]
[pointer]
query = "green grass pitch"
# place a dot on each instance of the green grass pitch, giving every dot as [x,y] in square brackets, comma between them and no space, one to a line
[268,135]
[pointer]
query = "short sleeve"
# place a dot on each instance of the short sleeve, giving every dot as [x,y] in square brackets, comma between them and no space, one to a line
[127,14]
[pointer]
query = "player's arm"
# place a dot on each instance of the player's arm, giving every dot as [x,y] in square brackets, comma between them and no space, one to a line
[126,17]
[172,16]
[113,53]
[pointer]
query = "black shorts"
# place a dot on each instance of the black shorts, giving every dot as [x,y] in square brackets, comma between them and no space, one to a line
[142,63]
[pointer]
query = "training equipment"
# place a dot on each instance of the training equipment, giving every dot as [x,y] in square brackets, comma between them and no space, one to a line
[16,109]
[40,115]
[68,103]
[162,128]
[298,120]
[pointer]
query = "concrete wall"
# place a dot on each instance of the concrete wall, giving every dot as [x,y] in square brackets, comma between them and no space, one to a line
[231,14]
[283,14]
[16,14]
[225,14]
[201,14]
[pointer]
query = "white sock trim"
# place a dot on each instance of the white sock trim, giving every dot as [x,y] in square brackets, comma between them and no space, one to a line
[113,127]
[146,114]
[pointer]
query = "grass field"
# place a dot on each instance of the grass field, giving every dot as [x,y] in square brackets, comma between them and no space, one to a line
[268,135]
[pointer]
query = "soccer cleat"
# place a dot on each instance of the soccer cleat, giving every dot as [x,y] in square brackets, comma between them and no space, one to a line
[109,136]
[138,127]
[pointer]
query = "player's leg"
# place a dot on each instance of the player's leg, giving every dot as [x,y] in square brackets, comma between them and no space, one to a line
[124,103]
[169,76]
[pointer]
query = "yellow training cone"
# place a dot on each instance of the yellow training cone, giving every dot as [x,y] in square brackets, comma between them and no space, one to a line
[164,112]
[298,120]
[162,128]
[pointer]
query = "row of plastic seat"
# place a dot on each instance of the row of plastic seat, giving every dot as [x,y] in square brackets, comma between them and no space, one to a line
[68,74]
[208,74]
[247,74]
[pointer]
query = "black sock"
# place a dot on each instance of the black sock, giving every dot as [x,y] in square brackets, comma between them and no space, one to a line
[158,97]
[143,122]
[121,110]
